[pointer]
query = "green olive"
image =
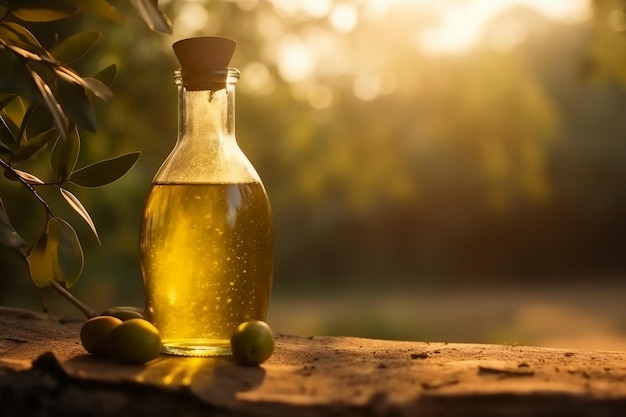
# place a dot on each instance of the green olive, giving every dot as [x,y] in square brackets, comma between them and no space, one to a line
[136,341]
[252,343]
[123,313]
[95,333]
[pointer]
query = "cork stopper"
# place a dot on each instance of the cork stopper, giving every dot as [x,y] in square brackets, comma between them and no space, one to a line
[204,61]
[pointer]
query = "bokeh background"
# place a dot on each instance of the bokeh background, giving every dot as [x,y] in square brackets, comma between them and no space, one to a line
[447,170]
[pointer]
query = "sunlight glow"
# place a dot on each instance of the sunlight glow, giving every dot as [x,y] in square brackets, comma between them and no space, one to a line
[257,79]
[312,8]
[369,86]
[246,5]
[366,87]
[192,18]
[286,8]
[377,9]
[506,35]
[269,26]
[320,97]
[317,8]
[462,23]
[435,27]
[344,17]
[295,62]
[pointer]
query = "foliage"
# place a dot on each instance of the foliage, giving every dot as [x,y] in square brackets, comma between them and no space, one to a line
[45,107]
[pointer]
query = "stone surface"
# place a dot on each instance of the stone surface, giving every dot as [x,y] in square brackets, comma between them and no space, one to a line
[44,371]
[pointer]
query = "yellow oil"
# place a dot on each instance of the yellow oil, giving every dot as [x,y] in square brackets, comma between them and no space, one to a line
[207,263]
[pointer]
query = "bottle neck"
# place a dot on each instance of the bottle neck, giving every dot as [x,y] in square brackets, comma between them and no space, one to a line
[206,103]
[206,151]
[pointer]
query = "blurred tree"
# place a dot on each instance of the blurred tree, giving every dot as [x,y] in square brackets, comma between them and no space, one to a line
[382,162]
[607,52]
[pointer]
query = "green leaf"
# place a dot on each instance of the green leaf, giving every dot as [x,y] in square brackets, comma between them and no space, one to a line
[21,51]
[4,147]
[19,80]
[40,121]
[45,71]
[8,128]
[7,100]
[104,172]
[41,261]
[97,87]
[69,260]
[100,8]
[27,177]
[50,101]
[22,41]
[75,47]
[100,89]
[64,155]
[150,13]
[34,144]
[6,63]
[107,75]
[9,238]
[76,104]
[75,203]
[56,255]
[8,133]
[41,15]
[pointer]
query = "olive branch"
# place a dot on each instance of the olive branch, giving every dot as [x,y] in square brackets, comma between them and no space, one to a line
[45,104]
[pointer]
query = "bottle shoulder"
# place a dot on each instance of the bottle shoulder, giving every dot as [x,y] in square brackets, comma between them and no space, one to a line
[209,162]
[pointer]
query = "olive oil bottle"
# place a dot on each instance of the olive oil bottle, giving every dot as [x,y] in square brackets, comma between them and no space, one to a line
[206,239]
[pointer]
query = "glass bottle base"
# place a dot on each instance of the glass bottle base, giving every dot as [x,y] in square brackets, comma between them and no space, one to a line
[197,347]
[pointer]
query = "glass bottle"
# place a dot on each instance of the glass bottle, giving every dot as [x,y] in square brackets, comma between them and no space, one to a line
[206,240]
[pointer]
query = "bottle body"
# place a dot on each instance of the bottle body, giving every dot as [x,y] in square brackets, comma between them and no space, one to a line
[207,256]
[206,239]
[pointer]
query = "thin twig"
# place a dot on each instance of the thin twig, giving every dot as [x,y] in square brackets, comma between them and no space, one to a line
[27,185]
[89,313]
